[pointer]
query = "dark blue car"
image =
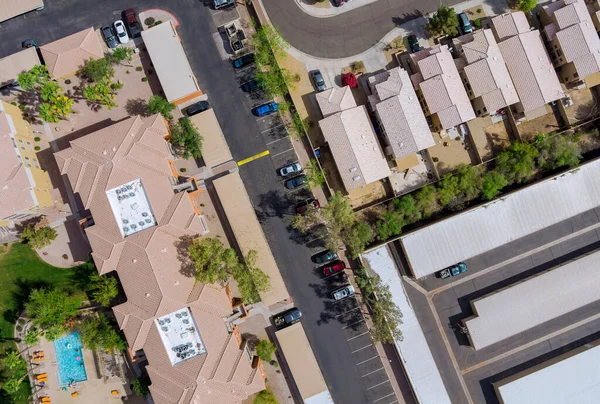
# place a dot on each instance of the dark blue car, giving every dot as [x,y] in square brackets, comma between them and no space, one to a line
[266,109]
[243,60]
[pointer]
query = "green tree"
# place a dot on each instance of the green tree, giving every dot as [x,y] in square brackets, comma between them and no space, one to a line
[315,175]
[469,181]
[527,5]
[448,190]
[159,105]
[14,361]
[426,200]
[212,260]
[272,82]
[265,350]
[359,237]
[32,337]
[517,162]
[120,54]
[268,43]
[101,92]
[493,182]
[186,137]
[408,209]
[38,238]
[140,386]
[390,224]
[50,90]
[36,77]
[48,114]
[444,21]
[251,280]
[49,310]
[97,69]
[103,289]
[97,333]
[558,151]
[265,396]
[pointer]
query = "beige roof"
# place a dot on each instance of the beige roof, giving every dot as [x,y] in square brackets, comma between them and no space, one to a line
[301,361]
[531,70]
[510,24]
[68,54]
[214,147]
[13,65]
[248,233]
[398,108]
[335,100]
[355,148]
[155,278]
[15,188]
[12,8]
[485,69]
[442,86]
[169,60]
[576,34]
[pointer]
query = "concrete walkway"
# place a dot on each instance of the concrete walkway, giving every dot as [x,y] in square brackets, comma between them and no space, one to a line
[314,9]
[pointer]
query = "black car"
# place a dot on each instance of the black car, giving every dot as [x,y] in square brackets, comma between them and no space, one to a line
[250,86]
[324,256]
[29,43]
[133,25]
[296,182]
[197,108]
[243,60]
[287,318]
[338,3]
[413,43]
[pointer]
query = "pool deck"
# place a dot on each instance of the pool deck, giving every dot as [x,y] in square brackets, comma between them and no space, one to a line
[92,391]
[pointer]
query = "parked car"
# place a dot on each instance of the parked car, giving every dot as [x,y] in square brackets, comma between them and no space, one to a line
[196,108]
[343,292]
[454,270]
[243,60]
[464,24]
[413,43]
[334,267]
[266,109]
[317,79]
[133,25]
[121,31]
[287,318]
[250,86]
[290,169]
[109,36]
[338,3]
[296,182]
[324,256]
[28,43]
[218,4]
[306,205]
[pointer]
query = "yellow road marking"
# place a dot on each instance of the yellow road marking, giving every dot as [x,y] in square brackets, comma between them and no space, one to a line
[252,158]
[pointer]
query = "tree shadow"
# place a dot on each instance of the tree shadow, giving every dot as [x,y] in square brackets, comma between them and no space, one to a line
[20,295]
[251,339]
[188,268]
[136,106]
[275,203]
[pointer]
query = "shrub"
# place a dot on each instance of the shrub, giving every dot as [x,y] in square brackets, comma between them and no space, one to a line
[13,103]
[477,23]
[37,148]
[349,79]
[149,21]
[144,79]
[479,10]
[139,69]
[157,22]
[265,350]
[183,169]
[21,107]
[37,138]
[67,81]
[127,72]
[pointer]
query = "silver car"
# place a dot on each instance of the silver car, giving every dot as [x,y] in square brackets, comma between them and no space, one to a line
[121,31]
[342,292]
[290,169]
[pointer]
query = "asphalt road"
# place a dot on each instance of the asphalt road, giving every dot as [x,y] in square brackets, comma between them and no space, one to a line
[273,203]
[347,34]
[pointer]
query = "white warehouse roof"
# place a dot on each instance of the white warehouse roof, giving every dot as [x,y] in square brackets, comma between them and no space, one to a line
[534,301]
[575,380]
[416,356]
[516,215]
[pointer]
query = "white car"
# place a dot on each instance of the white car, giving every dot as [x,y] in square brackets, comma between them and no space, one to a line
[290,169]
[343,293]
[121,31]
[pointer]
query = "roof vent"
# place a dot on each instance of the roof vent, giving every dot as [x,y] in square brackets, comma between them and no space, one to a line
[164,250]
[134,260]
[104,152]
[356,178]
[114,149]
[353,169]
[176,283]
[147,294]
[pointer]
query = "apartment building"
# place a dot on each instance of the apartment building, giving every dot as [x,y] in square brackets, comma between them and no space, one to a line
[573,44]
[25,186]
[64,57]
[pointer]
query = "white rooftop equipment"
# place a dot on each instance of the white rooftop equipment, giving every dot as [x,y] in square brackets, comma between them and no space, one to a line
[502,221]
[536,300]
[417,359]
[180,336]
[131,207]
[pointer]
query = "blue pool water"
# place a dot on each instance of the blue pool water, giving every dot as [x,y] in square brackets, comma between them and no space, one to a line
[70,359]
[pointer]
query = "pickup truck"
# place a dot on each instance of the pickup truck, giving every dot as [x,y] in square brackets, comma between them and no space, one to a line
[454,270]
[218,4]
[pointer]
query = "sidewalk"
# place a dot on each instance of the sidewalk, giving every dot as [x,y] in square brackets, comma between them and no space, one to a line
[327,9]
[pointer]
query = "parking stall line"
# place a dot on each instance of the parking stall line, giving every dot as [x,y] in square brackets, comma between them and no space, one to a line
[359,335]
[379,384]
[370,373]
[360,349]
[381,398]
[285,151]
[277,140]
[339,315]
[274,127]
[353,324]
[365,361]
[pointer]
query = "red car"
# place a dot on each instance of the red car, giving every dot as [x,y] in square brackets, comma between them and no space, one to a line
[334,268]
[304,206]
[133,26]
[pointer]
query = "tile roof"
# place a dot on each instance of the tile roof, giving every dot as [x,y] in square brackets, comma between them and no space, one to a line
[11,66]
[510,24]
[576,34]
[485,69]
[156,280]
[531,70]
[442,86]
[400,113]
[335,100]
[355,147]
[12,8]
[68,54]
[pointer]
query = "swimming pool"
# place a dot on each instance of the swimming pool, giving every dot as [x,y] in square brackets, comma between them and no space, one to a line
[70,360]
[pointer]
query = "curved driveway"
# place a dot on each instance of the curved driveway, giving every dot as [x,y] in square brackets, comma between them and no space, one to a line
[347,34]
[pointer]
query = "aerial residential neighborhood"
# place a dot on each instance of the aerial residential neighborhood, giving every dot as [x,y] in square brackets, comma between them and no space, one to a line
[299,201]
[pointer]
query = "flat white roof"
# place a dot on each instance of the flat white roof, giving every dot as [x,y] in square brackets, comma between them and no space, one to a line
[416,356]
[169,60]
[575,380]
[131,207]
[489,226]
[180,336]
[534,301]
